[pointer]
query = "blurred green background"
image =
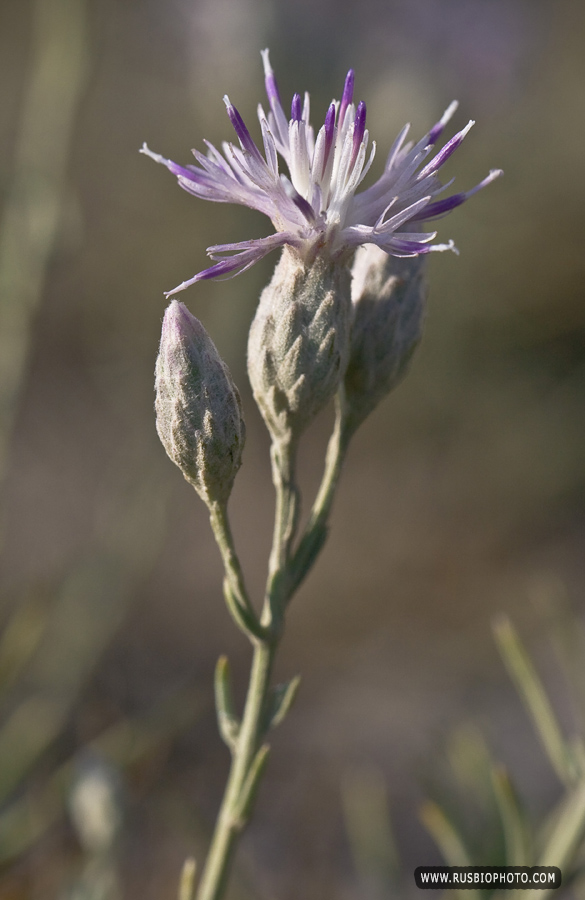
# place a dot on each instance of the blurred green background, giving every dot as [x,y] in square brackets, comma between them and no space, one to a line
[463,494]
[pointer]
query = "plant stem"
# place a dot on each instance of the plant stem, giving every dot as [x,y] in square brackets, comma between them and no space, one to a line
[316,529]
[231,819]
[283,458]
[236,806]
[235,591]
[285,572]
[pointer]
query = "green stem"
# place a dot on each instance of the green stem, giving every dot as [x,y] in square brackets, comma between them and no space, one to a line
[235,807]
[285,573]
[317,526]
[248,755]
[283,457]
[235,591]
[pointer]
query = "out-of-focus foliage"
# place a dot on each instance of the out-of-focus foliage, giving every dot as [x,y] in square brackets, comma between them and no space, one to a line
[52,637]
[482,819]
[459,488]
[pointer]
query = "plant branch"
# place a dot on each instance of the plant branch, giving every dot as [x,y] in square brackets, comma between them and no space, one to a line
[236,595]
[317,527]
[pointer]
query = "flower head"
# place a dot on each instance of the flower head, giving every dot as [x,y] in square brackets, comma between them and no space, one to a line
[315,208]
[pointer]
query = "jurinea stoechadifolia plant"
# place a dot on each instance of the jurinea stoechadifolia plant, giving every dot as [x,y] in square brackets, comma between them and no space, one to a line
[339,320]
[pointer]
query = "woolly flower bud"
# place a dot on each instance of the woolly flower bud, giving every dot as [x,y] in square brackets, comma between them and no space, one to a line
[388,299]
[299,342]
[198,411]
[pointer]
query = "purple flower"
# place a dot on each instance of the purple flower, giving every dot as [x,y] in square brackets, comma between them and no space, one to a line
[315,207]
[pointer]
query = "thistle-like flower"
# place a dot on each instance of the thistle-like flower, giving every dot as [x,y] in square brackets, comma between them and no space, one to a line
[315,208]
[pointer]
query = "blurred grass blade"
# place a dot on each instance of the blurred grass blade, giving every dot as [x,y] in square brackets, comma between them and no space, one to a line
[86,614]
[21,636]
[187,883]
[532,693]
[471,763]
[369,827]
[33,208]
[516,833]
[565,837]
[568,638]
[447,840]
[445,836]
[122,745]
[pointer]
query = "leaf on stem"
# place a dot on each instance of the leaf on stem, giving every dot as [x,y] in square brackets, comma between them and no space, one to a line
[308,551]
[249,790]
[244,617]
[227,720]
[282,698]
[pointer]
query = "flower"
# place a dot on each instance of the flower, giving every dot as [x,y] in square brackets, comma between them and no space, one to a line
[315,207]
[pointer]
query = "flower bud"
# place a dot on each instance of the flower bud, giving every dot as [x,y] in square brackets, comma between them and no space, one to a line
[198,410]
[388,300]
[299,342]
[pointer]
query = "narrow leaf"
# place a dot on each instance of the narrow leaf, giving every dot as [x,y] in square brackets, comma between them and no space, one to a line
[368,823]
[568,830]
[532,693]
[250,786]
[516,833]
[228,722]
[244,617]
[283,697]
[564,838]
[187,883]
[21,636]
[445,836]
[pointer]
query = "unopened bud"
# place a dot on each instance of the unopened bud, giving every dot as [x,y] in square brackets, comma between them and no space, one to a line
[198,411]
[388,300]
[299,342]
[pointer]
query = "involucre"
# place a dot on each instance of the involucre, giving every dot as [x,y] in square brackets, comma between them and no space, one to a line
[198,410]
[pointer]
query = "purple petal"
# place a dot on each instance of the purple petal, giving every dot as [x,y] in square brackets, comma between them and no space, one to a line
[266,244]
[438,129]
[189,174]
[247,254]
[304,206]
[347,96]
[359,127]
[272,91]
[278,120]
[403,247]
[494,173]
[242,132]
[396,148]
[329,135]
[230,267]
[444,154]
[440,207]
[409,248]
[399,218]
[295,110]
